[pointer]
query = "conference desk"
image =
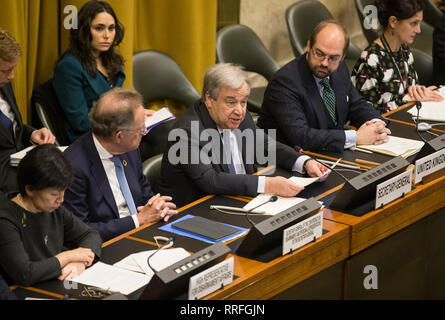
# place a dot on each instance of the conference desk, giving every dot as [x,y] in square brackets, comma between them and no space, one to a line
[404,241]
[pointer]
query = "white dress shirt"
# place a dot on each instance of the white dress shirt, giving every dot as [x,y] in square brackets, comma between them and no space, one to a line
[110,171]
[7,111]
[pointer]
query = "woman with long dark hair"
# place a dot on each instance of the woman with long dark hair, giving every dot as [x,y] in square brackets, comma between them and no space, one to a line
[91,65]
[385,74]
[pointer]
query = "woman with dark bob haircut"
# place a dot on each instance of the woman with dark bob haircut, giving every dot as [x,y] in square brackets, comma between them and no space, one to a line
[35,229]
[384,73]
[90,67]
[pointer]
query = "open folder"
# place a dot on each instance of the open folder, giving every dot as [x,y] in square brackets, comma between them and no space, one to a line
[18,156]
[396,146]
[160,116]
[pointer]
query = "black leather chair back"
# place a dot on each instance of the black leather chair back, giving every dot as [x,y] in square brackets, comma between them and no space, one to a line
[46,111]
[157,76]
[239,44]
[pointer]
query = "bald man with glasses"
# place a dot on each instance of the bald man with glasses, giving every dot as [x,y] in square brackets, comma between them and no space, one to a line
[310,99]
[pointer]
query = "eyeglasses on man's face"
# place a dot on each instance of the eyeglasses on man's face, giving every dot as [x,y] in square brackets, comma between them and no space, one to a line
[143,131]
[320,55]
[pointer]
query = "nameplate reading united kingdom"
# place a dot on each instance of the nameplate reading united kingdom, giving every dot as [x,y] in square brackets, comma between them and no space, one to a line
[302,233]
[393,188]
[429,164]
[210,280]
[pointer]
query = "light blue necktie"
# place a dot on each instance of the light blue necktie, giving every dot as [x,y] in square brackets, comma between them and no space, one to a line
[124,184]
[228,151]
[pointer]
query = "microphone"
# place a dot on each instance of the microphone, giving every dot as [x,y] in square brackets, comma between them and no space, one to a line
[271,199]
[242,210]
[300,151]
[424,126]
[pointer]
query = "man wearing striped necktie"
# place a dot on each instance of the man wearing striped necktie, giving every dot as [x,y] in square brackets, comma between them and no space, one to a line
[309,100]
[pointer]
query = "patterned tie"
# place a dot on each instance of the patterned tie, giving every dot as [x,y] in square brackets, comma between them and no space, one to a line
[124,184]
[7,122]
[329,98]
[228,151]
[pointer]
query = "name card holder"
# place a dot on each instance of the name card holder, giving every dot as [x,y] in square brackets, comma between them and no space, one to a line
[172,281]
[302,233]
[393,188]
[426,168]
[211,280]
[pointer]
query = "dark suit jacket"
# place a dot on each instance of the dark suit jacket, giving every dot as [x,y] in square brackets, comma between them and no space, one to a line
[187,181]
[5,292]
[10,144]
[76,91]
[90,196]
[293,106]
[439,52]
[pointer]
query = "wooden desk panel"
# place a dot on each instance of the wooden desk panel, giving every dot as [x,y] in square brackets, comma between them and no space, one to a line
[381,223]
[265,280]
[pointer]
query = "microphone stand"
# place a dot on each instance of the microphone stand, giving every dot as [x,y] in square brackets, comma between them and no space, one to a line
[418,106]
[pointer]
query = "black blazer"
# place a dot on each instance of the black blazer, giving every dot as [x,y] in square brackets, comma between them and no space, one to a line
[10,144]
[439,52]
[186,181]
[293,106]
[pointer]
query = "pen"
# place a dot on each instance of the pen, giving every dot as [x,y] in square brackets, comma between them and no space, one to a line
[366,162]
[339,164]
[363,150]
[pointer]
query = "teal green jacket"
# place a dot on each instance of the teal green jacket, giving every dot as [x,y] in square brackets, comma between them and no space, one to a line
[76,91]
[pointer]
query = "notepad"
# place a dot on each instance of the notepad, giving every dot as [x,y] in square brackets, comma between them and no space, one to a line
[160,116]
[432,111]
[209,229]
[396,146]
[18,156]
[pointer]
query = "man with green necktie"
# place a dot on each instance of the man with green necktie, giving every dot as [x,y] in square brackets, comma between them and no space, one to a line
[310,99]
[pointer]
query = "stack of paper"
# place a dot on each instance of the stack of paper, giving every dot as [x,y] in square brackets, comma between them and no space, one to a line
[432,111]
[137,262]
[16,157]
[132,272]
[159,117]
[396,146]
[272,208]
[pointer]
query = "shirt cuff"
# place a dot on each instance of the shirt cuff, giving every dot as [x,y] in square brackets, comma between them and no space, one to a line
[135,220]
[261,184]
[351,139]
[299,163]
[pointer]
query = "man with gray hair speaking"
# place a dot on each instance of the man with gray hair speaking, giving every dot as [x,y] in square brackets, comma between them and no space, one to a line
[215,145]
[110,192]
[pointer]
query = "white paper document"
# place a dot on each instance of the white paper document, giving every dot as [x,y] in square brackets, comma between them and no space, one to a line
[16,157]
[159,116]
[272,208]
[396,146]
[432,111]
[112,278]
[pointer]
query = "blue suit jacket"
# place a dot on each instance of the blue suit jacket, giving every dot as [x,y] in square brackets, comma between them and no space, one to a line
[90,196]
[76,91]
[293,106]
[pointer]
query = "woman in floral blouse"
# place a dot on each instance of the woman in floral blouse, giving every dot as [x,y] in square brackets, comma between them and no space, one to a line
[384,73]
